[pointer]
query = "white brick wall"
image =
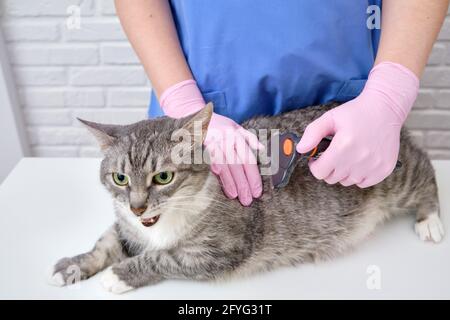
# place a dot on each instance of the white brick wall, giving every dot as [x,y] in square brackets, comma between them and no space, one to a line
[63,73]
[93,73]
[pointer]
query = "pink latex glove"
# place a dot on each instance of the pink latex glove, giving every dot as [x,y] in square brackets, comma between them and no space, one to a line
[366,130]
[228,144]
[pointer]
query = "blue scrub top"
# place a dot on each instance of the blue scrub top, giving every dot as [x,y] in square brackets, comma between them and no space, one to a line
[264,57]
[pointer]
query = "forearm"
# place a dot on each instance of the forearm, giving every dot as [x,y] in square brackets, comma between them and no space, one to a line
[151,31]
[409,29]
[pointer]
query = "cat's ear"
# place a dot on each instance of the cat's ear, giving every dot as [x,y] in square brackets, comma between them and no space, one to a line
[197,124]
[106,134]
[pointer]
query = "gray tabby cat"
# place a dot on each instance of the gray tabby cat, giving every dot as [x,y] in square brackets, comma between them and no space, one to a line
[173,221]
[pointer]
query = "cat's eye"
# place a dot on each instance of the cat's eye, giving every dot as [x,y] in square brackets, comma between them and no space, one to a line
[162,178]
[120,179]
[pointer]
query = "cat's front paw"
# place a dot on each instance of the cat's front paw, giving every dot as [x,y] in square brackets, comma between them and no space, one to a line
[111,282]
[56,278]
[65,272]
[430,229]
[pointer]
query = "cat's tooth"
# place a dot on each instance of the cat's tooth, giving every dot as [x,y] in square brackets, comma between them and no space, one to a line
[148,222]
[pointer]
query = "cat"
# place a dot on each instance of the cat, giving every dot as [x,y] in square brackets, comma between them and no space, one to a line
[174,222]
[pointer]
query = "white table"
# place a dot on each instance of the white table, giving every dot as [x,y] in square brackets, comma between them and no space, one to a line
[51,208]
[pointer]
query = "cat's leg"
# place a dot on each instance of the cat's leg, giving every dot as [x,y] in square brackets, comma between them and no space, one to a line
[155,266]
[428,225]
[107,250]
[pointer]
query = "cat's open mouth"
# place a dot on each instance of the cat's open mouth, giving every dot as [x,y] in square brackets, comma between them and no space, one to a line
[148,222]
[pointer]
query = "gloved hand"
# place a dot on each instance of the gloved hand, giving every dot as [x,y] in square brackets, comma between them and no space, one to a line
[366,130]
[228,144]
[232,159]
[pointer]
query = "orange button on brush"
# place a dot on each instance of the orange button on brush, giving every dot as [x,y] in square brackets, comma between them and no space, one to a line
[288,147]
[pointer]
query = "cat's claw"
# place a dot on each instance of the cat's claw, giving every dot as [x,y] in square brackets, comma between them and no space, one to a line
[430,229]
[112,283]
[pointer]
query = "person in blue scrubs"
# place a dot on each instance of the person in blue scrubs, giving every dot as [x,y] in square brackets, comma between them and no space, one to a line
[264,57]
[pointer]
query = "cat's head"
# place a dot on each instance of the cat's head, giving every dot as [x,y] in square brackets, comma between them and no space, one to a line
[144,174]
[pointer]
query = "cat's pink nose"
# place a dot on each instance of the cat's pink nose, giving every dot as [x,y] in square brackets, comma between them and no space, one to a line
[138,211]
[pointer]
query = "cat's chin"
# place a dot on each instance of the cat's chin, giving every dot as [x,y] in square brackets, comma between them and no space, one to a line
[148,222]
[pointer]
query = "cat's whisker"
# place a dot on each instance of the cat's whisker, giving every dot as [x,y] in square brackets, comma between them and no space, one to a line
[204,197]
[185,205]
